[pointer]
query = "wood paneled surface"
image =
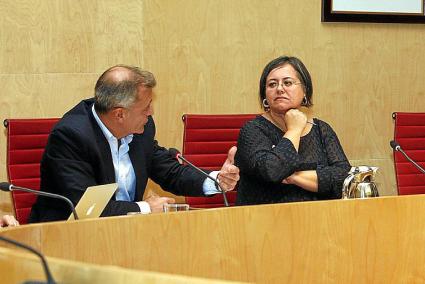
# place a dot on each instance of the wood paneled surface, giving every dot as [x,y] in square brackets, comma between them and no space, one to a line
[208,56]
[377,240]
[16,267]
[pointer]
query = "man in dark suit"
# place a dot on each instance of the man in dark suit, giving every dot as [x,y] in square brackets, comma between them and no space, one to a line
[111,138]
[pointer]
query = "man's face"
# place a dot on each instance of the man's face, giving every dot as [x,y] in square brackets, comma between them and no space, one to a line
[135,117]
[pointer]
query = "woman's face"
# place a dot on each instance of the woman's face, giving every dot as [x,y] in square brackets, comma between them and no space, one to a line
[284,90]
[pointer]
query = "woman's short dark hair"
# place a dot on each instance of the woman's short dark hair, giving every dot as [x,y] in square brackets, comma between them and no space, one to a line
[302,72]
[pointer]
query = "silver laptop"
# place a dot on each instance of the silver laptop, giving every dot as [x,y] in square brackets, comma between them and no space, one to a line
[94,200]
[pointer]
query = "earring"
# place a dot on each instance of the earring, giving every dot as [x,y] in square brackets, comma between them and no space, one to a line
[304,101]
[266,105]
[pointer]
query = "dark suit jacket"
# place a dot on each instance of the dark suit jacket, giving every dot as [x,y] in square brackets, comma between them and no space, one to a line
[78,155]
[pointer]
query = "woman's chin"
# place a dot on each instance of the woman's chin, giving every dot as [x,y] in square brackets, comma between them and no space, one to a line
[282,109]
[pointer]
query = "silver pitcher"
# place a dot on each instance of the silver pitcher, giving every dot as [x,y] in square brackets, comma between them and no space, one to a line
[360,183]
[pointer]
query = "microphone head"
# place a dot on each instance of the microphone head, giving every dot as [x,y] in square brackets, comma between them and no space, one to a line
[175,154]
[394,144]
[5,186]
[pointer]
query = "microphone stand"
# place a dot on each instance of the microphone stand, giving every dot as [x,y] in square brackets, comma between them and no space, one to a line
[48,194]
[398,148]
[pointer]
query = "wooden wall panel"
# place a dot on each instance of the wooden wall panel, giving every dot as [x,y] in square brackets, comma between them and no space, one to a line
[66,36]
[207,57]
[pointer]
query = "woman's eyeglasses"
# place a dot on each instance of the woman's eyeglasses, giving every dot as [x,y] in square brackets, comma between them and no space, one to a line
[286,84]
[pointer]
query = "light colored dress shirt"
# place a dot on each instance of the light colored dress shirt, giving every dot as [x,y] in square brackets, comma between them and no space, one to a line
[124,171]
[123,168]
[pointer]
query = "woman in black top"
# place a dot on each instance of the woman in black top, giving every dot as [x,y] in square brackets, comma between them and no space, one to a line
[284,155]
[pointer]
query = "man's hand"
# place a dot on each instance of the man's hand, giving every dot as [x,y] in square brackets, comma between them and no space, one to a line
[229,173]
[8,220]
[156,202]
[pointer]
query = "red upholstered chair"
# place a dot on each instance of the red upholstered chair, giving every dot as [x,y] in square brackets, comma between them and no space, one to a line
[207,139]
[26,139]
[409,132]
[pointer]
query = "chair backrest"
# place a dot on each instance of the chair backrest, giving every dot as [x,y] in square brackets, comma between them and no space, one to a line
[409,132]
[26,139]
[207,139]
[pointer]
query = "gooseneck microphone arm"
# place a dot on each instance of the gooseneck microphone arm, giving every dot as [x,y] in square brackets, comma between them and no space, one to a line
[394,144]
[49,276]
[226,203]
[5,186]
[175,153]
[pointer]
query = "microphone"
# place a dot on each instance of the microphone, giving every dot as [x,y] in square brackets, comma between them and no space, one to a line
[5,186]
[49,276]
[176,154]
[394,144]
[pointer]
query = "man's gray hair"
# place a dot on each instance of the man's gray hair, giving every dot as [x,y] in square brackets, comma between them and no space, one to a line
[117,87]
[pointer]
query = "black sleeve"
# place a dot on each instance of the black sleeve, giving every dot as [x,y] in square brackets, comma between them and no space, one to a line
[331,176]
[258,156]
[173,177]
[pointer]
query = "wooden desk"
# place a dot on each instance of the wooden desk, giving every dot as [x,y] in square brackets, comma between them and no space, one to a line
[339,241]
[17,267]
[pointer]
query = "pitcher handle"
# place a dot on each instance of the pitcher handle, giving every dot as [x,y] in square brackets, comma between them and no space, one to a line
[346,186]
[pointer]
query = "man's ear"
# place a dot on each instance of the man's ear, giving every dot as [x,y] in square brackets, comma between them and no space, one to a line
[118,113]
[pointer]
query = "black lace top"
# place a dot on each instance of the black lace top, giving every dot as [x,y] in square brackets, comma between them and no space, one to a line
[265,158]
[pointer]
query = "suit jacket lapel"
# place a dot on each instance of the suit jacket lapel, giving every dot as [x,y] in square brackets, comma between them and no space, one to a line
[104,151]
